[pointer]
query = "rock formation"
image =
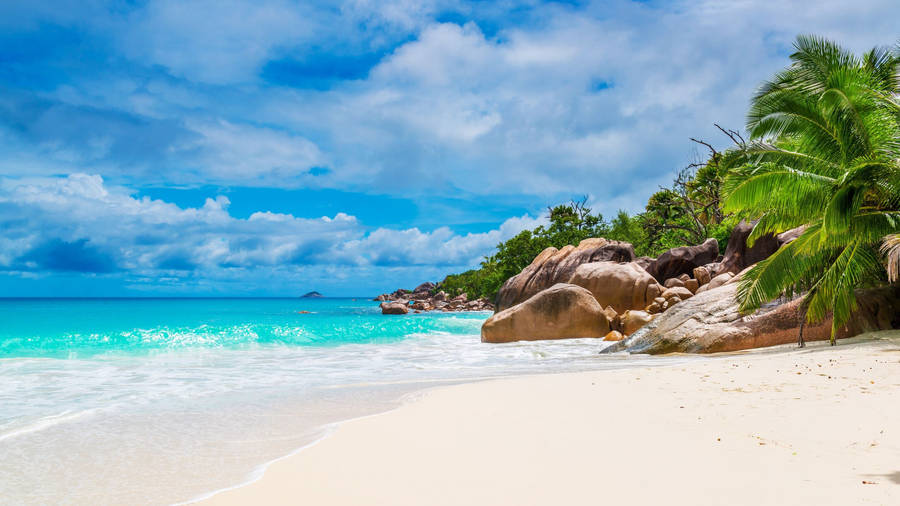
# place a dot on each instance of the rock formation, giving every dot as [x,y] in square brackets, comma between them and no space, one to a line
[634,320]
[622,286]
[559,312]
[554,266]
[738,256]
[422,300]
[710,322]
[683,301]
[683,260]
[394,308]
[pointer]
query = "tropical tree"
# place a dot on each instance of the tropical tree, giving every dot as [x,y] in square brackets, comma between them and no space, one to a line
[823,153]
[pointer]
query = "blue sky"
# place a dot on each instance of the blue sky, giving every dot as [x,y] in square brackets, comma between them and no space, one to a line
[272,147]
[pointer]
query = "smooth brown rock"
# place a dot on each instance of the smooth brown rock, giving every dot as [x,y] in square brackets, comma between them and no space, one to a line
[716,282]
[559,312]
[738,255]
[710,322]
[683,260]
[672,282]
[622,286]
[614,335]
[394,308]
[701,274]
[633,320]
[554,266]
[425,287]
[420,305]
[653,308]
[692,285]
[720,280]
[678,291]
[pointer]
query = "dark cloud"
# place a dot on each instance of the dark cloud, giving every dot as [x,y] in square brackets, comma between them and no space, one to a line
[63,256]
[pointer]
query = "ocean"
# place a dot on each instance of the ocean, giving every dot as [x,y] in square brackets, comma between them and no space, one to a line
[159,401]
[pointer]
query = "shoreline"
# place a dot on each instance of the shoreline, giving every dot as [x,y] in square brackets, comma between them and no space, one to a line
[272,483]
[420,388]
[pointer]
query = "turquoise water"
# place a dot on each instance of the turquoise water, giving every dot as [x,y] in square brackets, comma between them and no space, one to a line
[201,392]
[70,328]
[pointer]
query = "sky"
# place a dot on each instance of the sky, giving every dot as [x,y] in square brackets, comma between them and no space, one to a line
[275,147]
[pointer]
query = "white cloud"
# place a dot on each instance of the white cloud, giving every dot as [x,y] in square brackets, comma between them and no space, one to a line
[253,155]
[107,229]
[562,100]
[216,41]
[522,111]
[538,101]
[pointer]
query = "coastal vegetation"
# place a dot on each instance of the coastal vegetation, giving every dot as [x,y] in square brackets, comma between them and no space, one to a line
[687,212]
[821,152]
[824,151]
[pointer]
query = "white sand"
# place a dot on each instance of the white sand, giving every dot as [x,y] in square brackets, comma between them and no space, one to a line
[812,427]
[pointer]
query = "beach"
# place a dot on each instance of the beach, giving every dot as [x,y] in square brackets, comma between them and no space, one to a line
[779,426]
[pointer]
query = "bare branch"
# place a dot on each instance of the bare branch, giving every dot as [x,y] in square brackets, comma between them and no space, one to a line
[734,135]
[708,146]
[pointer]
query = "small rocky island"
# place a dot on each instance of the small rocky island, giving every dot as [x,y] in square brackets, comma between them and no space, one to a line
[429,297]
[312,295]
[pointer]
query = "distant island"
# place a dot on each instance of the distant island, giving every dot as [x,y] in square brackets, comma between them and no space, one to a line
[312,295]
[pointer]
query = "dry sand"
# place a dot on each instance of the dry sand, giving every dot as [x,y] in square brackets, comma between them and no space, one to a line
[798,427]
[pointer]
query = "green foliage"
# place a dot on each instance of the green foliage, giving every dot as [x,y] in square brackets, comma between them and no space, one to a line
[569,224]
[627,228]
[824,151]
[668,221]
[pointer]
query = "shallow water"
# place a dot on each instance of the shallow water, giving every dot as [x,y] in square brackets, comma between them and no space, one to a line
[154,401]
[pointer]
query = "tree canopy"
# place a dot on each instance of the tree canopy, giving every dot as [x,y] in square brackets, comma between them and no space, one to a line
[824,153]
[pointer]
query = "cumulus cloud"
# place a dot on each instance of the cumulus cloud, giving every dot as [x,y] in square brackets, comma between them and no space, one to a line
[592,99]
[543,99]
[80,224]
[540,100]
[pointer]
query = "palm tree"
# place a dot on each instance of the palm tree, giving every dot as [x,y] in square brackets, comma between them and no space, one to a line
[824,151]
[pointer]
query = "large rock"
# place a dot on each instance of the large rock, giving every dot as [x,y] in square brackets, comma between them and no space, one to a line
[622,286]
[683,260]
[710,322]
[394,308]
[559,312]
[738,256]
[425,287]
[554,266]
